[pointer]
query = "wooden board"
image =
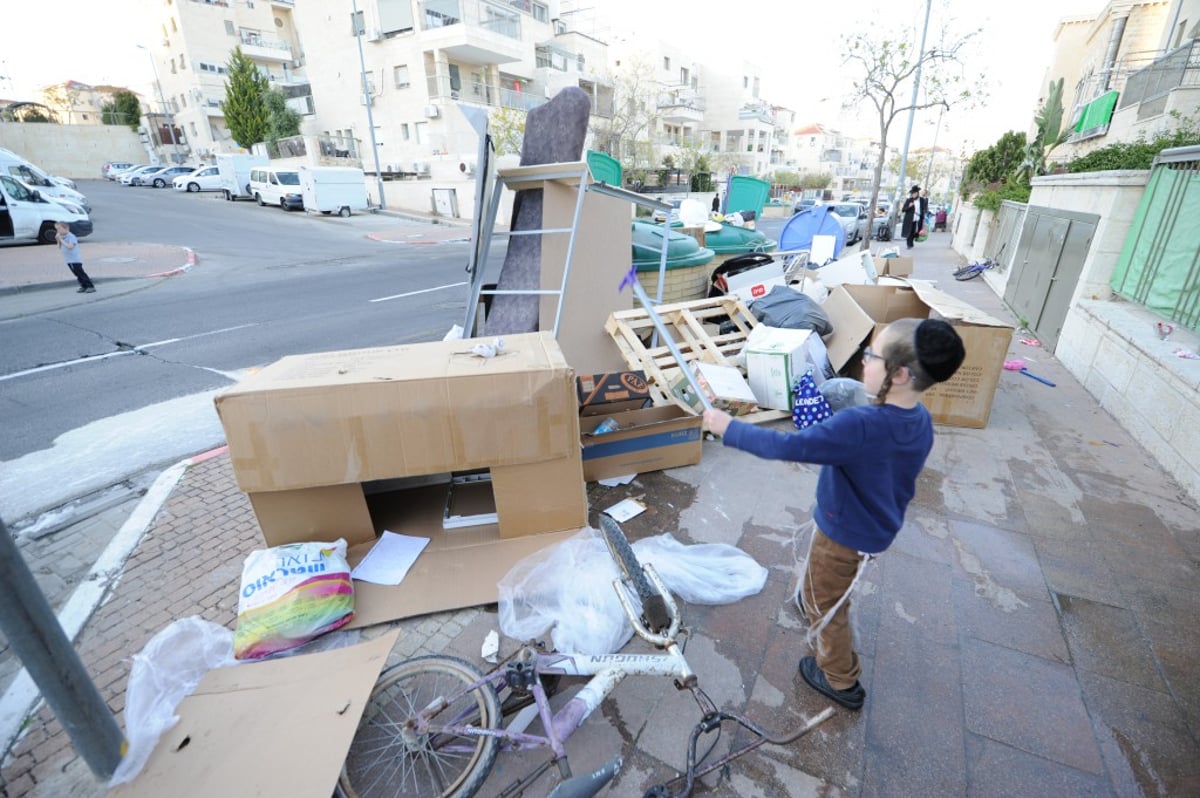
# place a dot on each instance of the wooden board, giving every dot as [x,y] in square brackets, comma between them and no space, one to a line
[694,328]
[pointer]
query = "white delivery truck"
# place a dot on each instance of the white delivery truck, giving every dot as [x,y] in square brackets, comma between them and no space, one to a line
[333,189]
[25,215]
[234,169]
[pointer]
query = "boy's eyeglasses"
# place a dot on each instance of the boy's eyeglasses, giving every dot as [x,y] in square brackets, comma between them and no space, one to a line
[868,354]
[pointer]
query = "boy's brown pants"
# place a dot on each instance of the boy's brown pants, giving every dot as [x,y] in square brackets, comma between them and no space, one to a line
[827,576]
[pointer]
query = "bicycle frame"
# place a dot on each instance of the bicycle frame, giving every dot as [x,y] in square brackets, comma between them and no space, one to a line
[606,672]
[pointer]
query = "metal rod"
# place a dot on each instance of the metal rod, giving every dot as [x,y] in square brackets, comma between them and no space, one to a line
[36,636]
[562,288]
[640,293]
[912,110]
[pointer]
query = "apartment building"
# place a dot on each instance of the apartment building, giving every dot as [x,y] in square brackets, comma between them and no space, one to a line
[849,161]
[1104,60]
[195,41]
[421,59]
[75,103]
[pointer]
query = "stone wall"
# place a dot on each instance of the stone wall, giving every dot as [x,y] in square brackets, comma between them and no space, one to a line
[74,151]
[1109,344]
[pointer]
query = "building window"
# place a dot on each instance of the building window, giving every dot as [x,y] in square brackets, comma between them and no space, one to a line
[172,66]
[229,28]
[683,76]
[183,100]
[405,133]
[174,29]
[182,63]
[400,76]
[667,63]
[419,131]
[194,131]
[745,82]
[540,13]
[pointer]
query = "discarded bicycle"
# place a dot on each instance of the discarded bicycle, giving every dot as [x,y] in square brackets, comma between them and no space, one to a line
[432,726]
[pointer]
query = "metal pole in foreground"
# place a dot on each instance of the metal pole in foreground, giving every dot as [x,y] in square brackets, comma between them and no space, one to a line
[34,633]
[362,63]
[912,110]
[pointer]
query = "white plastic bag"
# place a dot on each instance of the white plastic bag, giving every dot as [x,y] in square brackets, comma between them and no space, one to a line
[165,672]
[702,573]
[567,586]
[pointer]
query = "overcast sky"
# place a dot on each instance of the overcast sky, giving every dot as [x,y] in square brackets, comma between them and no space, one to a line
[796,43]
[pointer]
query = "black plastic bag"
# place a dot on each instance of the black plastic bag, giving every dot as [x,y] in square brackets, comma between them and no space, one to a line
[790,309]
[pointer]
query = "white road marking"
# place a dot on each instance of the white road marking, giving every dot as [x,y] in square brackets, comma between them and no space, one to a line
[414,293]
[123,352]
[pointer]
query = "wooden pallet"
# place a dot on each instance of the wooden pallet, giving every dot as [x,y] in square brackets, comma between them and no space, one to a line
[694,331]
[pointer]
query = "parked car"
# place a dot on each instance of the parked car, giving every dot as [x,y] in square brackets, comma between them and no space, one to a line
[133,177]
[117,174]
[112,167]
[15,166]
[854,220]
[163,177]
[206,178]
[277,187]
[803,205]
[673,214]
[26,215]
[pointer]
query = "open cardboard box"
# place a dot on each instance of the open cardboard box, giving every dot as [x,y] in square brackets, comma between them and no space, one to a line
[280,728]
[312,437]
[649,439]
[857,312]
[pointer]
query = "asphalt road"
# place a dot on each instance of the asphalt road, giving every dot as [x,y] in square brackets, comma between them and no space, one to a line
[93,393]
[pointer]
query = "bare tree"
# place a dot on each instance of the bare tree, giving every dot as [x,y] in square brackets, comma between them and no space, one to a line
[628,135]
[886,70]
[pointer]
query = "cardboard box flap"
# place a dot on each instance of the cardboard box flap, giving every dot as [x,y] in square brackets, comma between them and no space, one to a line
[851,326]
[276,728]
[951,308]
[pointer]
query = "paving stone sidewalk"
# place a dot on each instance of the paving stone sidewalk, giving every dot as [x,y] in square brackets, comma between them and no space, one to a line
[1031,632]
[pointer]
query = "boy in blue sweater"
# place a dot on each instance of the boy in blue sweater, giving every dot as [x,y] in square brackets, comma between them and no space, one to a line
[870,457]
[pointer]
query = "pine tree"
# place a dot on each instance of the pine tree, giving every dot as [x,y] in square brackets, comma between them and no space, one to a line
[245,106]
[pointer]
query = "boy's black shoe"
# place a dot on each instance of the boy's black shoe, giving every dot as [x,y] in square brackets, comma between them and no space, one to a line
[850,698]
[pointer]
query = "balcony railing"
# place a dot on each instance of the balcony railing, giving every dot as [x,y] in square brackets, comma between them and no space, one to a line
[1174,70]
[267,42]
[435,14]
[441,88]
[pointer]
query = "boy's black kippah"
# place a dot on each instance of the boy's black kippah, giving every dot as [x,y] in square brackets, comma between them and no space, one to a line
[939,349]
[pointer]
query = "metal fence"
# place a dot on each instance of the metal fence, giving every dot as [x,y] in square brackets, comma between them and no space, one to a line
[1178,68]
[1159,266]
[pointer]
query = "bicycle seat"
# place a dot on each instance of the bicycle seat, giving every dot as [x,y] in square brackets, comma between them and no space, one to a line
[588,784]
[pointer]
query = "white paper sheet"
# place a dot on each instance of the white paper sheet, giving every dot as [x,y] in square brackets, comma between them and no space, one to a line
[389,559]
[613,482]
[625,509]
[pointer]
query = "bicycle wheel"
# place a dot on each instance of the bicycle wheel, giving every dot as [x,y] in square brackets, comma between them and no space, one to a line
[654,609]
[391,757]
[969,272]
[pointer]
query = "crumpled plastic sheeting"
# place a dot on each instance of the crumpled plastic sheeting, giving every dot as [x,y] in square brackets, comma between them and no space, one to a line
[568,589]
[165,672]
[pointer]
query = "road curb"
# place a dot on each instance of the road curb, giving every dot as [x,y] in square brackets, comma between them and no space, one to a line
[192,260]
[22,698]
[381,238]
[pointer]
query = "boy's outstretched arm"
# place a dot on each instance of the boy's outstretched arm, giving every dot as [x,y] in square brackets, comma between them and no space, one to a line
[717,421]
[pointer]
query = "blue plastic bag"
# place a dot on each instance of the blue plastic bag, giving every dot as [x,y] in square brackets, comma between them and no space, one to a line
[808,404]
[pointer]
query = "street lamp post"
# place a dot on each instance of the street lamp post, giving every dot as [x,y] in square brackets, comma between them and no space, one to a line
[362,63]
[162,99]
[912,108]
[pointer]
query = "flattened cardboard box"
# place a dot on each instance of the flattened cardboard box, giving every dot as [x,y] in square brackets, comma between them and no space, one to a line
[965,400]
[651,439]
[334,418]
[278,729]
[724,386]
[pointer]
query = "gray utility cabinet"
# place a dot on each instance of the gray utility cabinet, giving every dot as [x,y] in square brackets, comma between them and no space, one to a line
[1049,260]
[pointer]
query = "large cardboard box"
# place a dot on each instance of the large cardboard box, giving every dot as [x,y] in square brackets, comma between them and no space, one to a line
[857,312]
[650,439]
[322,444]
[899,266]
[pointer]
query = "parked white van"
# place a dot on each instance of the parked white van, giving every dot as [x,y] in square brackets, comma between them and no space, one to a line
[15,166]
[279,187]
[25,215]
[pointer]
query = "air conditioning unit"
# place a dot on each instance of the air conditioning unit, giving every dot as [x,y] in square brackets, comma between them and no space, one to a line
[432,111]
[374,35]
[467,167]
[197,94]
[421,168]
[366,99]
